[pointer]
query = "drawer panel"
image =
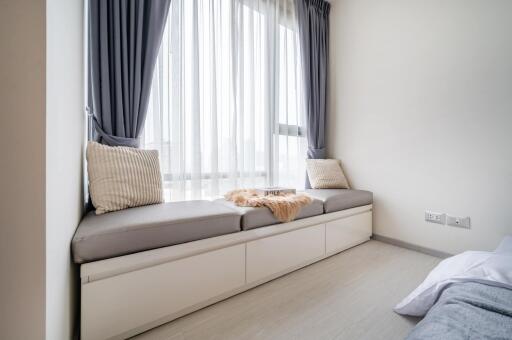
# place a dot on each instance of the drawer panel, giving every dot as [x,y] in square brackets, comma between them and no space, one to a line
[116,304]
[271,255]
[347,232]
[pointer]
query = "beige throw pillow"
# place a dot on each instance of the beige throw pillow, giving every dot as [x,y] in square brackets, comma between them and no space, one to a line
[122,177]
[326,174]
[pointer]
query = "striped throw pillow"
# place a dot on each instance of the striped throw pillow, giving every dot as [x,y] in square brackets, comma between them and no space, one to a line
[326,174]
[122,177]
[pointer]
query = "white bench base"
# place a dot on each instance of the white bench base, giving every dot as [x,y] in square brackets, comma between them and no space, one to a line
[127,295]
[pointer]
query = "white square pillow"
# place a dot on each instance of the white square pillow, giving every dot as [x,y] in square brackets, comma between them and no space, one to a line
[326,174]
[122,177]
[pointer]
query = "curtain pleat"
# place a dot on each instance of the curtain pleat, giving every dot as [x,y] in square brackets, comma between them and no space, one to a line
[124,40]
[313,21]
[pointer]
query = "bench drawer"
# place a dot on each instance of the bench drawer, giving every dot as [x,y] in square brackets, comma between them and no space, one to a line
[276,254]
[347,232]
[133,299]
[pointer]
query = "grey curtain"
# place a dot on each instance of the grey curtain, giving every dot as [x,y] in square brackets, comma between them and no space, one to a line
[124,39]
[313,19]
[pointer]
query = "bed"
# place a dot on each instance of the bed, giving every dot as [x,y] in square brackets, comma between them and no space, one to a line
[468,310]
[467,296]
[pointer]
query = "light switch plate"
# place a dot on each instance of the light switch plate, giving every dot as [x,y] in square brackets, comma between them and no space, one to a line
[457,221]
[434,217]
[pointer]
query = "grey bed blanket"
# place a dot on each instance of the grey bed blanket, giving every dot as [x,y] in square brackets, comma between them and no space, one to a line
[468,311]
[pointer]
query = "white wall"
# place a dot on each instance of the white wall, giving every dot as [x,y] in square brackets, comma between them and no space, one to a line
[22,169]
[41,134]
[421,114]
[64,143]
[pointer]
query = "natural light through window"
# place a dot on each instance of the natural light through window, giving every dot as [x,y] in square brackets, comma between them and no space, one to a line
[226,109]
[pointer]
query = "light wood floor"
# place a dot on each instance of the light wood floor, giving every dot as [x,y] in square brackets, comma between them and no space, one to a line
[347,296]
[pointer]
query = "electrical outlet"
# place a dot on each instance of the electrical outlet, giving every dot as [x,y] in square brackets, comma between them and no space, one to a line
[435,217]
[456,221]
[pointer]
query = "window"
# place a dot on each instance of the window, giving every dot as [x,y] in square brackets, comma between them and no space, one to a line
[226,109]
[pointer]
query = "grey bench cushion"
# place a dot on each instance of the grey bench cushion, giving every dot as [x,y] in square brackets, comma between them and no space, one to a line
[261,217]
[341,199]
[153,226]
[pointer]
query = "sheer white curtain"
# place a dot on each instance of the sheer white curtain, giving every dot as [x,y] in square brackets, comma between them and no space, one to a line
[227,108]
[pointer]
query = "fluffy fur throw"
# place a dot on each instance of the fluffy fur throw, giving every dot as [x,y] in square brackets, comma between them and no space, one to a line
[284,207]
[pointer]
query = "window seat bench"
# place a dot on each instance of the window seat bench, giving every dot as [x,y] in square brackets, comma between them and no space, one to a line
[145,266]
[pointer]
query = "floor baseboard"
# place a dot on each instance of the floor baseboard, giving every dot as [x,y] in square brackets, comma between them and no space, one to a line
[411,246]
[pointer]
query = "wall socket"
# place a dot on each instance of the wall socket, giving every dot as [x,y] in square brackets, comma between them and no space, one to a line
[434,217]
[442,218]
[461,222]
